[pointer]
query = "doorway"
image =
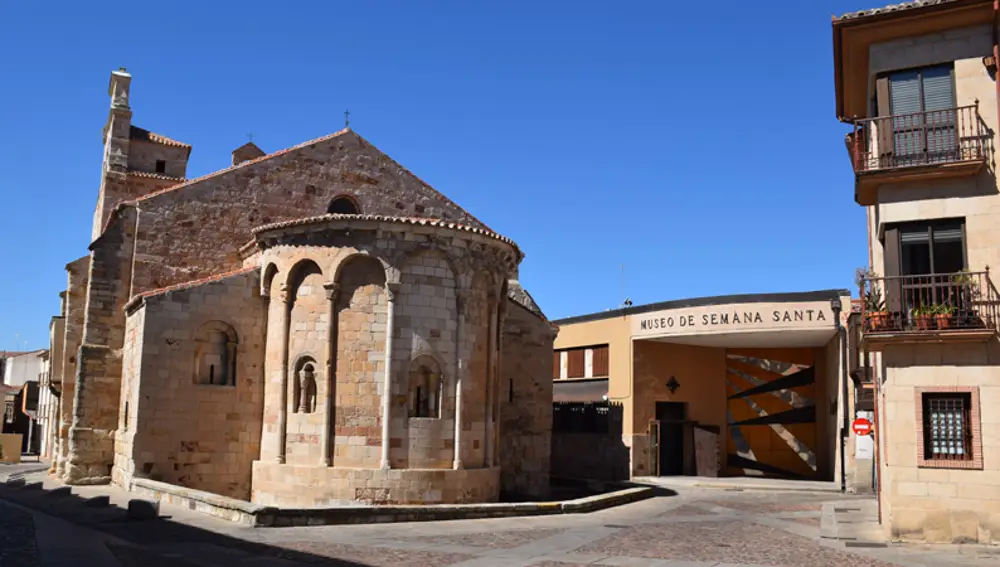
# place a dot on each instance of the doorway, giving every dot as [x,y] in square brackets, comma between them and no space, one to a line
[672,417]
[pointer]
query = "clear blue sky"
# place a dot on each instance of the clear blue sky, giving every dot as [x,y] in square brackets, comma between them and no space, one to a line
[693,142]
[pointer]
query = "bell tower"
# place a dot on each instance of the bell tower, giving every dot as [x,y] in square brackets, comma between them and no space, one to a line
[116,145]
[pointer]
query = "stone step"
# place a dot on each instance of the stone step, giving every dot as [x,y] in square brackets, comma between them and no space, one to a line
[855,521]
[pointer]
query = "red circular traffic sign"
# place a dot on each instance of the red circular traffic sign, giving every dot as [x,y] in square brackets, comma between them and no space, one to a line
[861,426]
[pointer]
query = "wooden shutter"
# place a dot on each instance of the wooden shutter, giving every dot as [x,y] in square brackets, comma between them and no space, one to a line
[893,291]
[601,361]
[575,363]
[884,108]
[555,365]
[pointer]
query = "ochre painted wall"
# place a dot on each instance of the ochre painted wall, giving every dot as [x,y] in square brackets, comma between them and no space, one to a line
[700,371]
[615,333]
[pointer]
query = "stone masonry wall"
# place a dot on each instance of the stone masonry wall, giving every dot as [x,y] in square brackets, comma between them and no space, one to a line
[202,436]
[98,377]
[307,343]
[361,329]
[426,319]
[132,354]
[75,298]
[142,156]
[476,343]
[195,230]
[304,486]
[526,403]
[953,502]
[420,267]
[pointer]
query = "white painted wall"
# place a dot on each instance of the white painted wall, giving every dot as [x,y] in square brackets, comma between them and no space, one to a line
[23,368]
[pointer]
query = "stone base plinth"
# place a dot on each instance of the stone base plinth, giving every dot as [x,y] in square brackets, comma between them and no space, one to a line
[307,486]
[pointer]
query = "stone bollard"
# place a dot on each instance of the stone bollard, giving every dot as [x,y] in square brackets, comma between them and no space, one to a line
[143,509]
[102,501]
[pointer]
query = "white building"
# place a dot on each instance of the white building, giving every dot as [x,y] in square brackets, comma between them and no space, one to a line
[22,367]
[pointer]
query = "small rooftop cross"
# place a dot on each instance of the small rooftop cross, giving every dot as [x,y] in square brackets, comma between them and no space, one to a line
[250,137]
[347,119]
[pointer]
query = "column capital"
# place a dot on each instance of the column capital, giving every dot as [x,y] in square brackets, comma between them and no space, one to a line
[392,290]
[331,289]
[284,293]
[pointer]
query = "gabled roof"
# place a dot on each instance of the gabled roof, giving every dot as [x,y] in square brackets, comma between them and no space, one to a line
[294,148]
[251,147]
[143,135]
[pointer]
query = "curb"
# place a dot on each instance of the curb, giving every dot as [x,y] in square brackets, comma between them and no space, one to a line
[246,513]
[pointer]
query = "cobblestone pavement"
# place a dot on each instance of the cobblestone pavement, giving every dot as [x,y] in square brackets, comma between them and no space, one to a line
[696,528]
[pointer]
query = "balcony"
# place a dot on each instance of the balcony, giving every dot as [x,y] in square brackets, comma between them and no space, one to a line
[939,308]
[936,144]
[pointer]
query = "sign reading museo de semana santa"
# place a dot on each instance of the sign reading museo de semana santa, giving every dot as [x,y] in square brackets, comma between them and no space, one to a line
[733,318]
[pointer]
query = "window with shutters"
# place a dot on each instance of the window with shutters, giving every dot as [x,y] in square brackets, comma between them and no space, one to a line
[556,366]
[932,247]
[576,363]
[600,361]
[922,105]
[922,262]
[949,432]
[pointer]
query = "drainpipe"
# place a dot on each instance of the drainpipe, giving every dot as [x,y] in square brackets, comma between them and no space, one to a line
[842,335]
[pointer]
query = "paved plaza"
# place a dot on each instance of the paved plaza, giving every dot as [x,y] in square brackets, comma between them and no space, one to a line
[695,528]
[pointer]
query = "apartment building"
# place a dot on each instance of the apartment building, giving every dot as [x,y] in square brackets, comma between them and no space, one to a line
[918,84]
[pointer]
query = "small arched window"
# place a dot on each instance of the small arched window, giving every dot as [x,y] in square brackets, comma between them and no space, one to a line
[304,386]
[425,387]
[343,206]
[216,355]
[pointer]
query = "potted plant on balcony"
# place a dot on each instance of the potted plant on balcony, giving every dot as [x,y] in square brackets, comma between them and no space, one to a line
[944,315]
[966,295]
[923,317]
[874,305]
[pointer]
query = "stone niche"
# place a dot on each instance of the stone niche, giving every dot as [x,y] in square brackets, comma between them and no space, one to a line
[382,361]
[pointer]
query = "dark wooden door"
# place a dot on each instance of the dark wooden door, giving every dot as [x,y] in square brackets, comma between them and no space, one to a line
[671,416]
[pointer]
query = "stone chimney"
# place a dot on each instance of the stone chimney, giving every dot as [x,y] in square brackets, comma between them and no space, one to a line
[247,152]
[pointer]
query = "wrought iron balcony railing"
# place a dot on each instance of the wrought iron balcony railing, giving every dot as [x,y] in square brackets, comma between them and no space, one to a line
[936,137]
[929,304]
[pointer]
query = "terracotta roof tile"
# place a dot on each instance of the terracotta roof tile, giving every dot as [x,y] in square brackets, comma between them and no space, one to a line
[188,284]
[381,218]
[902,6]
[148,175]
[143,135]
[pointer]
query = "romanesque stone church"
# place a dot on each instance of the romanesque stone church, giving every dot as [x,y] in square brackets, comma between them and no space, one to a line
[308,327]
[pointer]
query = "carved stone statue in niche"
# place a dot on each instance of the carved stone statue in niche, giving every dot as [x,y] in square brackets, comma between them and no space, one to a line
[307,389]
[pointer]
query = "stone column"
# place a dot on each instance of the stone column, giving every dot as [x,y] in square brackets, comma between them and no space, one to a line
[327,438]
[459,372]
[488,409]
[391,289]
[498,372]
[283,321]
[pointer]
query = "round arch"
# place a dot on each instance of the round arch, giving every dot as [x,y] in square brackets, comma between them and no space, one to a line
[343,204]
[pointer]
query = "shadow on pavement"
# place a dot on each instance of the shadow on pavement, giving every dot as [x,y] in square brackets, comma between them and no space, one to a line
[161,542]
